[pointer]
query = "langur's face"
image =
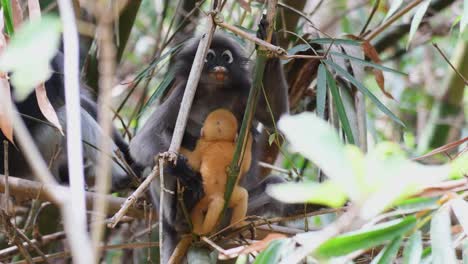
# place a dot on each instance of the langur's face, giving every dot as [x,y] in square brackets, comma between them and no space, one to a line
[225,65]
[218,65]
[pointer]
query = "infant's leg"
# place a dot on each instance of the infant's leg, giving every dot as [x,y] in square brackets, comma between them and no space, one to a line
[198,214]
[239,201]
[212,214]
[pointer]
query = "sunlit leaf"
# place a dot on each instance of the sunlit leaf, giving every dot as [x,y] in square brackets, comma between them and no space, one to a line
[321,90]
[464,18]
[364,90]
[417,18]
[393,177]
[413,249]
[326,193]
[340,107]
[271,254]
[38,39]
[465,251]
[319,142]
[459,167]
[393,8]
[441,237]
[378,235]
[389,252]
[460,208]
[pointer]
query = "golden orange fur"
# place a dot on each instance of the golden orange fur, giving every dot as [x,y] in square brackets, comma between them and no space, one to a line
[212,155]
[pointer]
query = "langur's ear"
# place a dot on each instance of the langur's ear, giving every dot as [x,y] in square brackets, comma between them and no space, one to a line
[202,134]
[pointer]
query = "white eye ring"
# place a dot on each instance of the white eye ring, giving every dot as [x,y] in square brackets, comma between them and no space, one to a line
[210,51]
[228,53]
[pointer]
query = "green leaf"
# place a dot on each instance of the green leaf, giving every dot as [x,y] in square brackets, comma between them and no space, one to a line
[8,17]
[29,53]
[380,234]
[417,18]
[464,19]
[465,251]
[327,193]
[271,138]
[340,108]
[393,8]
[441,237]
[321,90]
[160,90]
[367,63]
[460,209]
[322,41]
[298,48]
[364,90]
[272,253]
[319,142]
[388,253]
[413,249]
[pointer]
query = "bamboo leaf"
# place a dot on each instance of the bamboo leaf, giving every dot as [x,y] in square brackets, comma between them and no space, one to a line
[380,234]
[393,8]
[322,41]
[8,17]
[388,253]
[364,90]
[464,18]
[321,90]
[327,193]
[368,63]
[413,250]
[272,253]
[340,108]
[460,208]
[38,39]
[417,18]
[441,238]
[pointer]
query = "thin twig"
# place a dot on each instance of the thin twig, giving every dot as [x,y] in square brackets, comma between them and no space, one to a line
[6,171]
[106,67]
[66,254]
[391,20]
[8,252]
[134,196]
[74,212]
[192,83]
[23,189]
[449,63]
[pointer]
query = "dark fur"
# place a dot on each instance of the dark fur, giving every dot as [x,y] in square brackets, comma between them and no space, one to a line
[49,141]
[156,134]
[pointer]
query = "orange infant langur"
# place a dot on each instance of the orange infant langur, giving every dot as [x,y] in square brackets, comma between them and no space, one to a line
[212,155]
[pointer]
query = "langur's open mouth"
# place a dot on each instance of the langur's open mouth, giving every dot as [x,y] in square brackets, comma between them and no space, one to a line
[219,73]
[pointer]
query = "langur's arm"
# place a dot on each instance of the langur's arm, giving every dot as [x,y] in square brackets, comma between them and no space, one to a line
[155,136]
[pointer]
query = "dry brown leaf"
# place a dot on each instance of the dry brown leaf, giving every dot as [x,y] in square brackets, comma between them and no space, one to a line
[372,53]
[17,13]
[262,244]
[6,125]
[46,107]
[443,148]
